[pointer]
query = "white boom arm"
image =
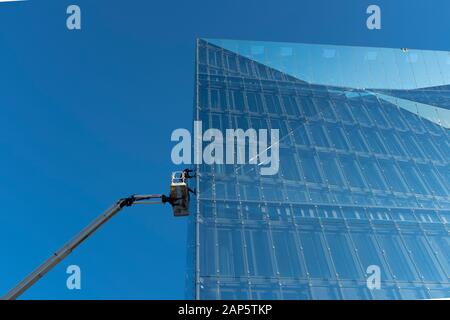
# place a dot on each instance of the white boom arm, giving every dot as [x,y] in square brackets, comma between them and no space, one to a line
[59,255]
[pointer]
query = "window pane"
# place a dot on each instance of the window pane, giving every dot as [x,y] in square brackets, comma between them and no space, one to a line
[318,134]
[423,258]
[397,257]
[392,175]
[337,137]
[412,177]
[314,253]
[331,169]
[341,253]
[310,168]
[369,253]
[273,104]
[308,108]
[352,172]
[259,253]
[372,173]
[288,261]
[441,245]
[299,133]
[231,259]
[254,102]
[356,139]
[431,178]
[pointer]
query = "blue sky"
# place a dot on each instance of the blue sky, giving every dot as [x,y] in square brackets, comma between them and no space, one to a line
[86,118]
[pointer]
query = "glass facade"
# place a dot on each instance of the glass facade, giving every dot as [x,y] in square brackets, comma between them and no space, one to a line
[364,177]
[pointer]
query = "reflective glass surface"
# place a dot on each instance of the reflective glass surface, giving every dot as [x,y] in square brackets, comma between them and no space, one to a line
[364,174]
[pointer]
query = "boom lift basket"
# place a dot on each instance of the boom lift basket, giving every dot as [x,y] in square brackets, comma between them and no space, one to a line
[179,194]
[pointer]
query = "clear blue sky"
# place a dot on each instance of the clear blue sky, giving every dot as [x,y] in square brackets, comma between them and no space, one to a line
[86,118]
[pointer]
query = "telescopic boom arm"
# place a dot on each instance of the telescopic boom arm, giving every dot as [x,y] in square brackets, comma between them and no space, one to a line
[59,255]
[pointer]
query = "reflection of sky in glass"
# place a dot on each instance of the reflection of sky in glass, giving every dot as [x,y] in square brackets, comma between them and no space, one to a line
[437,115]
[356,67]
[362,173]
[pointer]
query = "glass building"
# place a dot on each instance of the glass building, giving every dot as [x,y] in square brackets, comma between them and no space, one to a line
[364,177]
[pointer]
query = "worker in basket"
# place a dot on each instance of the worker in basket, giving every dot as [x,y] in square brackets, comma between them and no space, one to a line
[179,192]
